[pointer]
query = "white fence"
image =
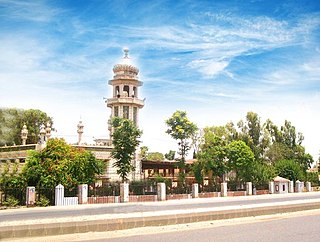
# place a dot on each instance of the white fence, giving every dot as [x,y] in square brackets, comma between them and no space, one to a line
[60,200]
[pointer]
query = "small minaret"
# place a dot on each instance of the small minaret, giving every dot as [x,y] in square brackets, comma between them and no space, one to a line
[125,83]
[80,131]
[48,131]
[42,134]
[24,134]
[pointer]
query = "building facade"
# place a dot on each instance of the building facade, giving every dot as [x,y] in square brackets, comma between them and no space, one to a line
[123,103]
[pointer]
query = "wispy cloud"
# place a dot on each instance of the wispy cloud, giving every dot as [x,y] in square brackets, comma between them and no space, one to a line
[35,11]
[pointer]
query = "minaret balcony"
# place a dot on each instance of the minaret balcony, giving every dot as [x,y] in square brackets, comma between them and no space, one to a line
[125,100]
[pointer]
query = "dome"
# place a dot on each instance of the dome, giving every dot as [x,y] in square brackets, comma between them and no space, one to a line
[125,69]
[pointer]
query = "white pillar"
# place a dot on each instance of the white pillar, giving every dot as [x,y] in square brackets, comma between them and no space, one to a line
[271,187]
[249,188]
[83,194]
[224,189]
[308,186]
[31,196]
[59,195]
[124,192]
[291,187]
[299,186]
[161,191]
[195,190]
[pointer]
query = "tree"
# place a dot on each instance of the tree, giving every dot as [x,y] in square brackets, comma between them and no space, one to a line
[155,156]
[261,174]
[60,163]
[170,155]
[143,152]
[12,121]
[181,129]
[240,158]
[252,134]
[213,154]
[125,141]
[289,169]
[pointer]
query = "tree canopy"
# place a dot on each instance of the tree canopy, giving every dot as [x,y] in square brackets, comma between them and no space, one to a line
[12,121]
[60,163]
[125,139]
[253,151]
[181,129]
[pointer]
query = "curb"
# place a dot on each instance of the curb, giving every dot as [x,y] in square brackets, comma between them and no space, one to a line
[36,230]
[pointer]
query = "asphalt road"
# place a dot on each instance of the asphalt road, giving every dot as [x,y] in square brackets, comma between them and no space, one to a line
[87,210]
[291,229]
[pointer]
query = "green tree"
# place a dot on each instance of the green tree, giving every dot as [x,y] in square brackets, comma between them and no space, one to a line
[143,152]
[155,156]
[240,158]
[170,155]
[125,140]
[12,121]
[213,154]
[252,134]
[11,179]
[289,169]
[60,163]
[181,129]
[261,174]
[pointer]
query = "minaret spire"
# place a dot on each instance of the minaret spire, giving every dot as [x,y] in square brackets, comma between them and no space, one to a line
[126,53]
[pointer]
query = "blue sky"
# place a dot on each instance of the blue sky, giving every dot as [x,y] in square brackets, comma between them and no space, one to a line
[217,60]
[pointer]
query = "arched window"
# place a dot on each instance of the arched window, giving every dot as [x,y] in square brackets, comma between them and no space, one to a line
[135,94]
[126,91]
[117,92]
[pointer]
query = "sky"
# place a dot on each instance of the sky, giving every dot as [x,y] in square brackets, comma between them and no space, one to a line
[216,60]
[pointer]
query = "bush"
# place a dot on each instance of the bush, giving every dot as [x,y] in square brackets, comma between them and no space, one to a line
[43,202]
[11,201]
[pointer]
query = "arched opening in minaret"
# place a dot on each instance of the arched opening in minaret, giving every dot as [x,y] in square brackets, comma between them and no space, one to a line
[135,94]
[126,91]
[117,91]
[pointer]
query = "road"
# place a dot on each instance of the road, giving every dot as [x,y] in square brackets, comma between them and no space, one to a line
[103,209]
[292,227]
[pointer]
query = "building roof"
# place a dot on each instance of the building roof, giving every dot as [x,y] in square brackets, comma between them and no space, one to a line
[280,179]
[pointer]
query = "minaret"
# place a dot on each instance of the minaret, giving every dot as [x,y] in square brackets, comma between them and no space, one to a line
[80,131]
[125,83]
[24,134]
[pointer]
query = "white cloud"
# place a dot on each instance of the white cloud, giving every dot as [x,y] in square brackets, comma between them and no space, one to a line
[208,68]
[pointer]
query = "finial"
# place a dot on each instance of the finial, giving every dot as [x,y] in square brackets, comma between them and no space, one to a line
[126,51]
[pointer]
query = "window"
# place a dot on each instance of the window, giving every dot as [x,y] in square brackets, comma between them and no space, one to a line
[135,94]
[116,111]
[135,115]
[117,92]
[126,91]
[126,112]
[283,187]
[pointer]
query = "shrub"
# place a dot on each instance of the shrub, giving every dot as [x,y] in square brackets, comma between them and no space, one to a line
[11,201]
[43,202]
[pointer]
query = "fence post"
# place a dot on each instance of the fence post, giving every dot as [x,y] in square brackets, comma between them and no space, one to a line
[249,188]
[161,191]
[224,189]
[124,192]
[59,195]
[291,187]
[308,186]
[299,186]
[195,190]
[83,194]
[31,196]
[271,187]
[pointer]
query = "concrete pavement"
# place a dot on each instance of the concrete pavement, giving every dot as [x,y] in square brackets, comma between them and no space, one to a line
[120,217]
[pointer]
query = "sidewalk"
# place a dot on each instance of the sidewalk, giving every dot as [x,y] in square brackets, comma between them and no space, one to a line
[125,220]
